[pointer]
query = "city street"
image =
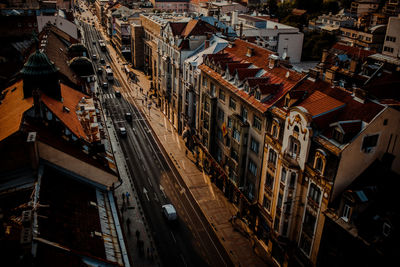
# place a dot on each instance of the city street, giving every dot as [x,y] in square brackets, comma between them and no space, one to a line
[151,175]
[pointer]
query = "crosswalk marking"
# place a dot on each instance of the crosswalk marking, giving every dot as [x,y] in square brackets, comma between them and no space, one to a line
[111,95]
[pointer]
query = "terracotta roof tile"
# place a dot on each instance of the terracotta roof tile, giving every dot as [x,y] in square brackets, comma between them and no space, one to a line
[189,27]
[319,103]
[353,51]
[259,58]
[12,108]
[71,99]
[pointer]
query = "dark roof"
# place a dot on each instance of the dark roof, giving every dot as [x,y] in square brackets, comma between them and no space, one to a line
[245,72]
[69,219]
[177,27]
[39,65]
[82,66]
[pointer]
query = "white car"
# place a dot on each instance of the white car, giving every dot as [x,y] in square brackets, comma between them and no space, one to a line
[169,212]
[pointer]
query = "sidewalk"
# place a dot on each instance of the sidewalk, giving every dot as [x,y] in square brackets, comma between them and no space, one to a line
[136,231]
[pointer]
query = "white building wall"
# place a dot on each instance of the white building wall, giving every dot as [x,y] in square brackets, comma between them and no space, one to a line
[292,44]
[388,141]
[393,30]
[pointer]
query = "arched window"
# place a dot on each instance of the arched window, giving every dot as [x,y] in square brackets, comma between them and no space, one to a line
[318,164]
[296,129]
[320,161]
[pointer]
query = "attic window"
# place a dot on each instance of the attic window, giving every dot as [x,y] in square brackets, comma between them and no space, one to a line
[258,95]
[337,135]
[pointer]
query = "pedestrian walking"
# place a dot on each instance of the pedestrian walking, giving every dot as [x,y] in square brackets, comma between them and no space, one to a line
[127,196]
[123,197]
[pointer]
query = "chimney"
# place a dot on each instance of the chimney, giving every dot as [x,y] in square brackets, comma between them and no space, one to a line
[353,65]
[324,55]
[250,52]
[273,61]
[206,44]
[314,74]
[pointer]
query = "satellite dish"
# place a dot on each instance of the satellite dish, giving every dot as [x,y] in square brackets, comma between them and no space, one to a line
[284,56]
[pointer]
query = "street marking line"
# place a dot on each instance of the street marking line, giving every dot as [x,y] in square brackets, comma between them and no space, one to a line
[145,192]
[173,237]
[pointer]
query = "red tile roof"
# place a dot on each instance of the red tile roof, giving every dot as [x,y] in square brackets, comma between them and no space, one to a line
[319,103]
[260,59]
[353,51]
[70,119]
[352,110]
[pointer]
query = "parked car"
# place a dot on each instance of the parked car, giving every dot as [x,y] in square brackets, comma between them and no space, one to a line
[99,70]
[128,116]
[105,85]
[117,93]
[94,56]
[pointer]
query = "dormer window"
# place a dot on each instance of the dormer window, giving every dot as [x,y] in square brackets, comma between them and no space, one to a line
[246,87]
[258,95]
[337,135]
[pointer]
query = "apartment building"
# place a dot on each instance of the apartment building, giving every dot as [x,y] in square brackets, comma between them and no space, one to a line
[391,46]
[122,38]
[392,8]
[238,86]
[178,42]
[360,7]
[370,38]
[331,22]
[178,6]
[312,162]
[285,40]
[191,79]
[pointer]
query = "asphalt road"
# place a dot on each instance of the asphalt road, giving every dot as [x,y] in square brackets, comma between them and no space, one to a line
[189,242]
